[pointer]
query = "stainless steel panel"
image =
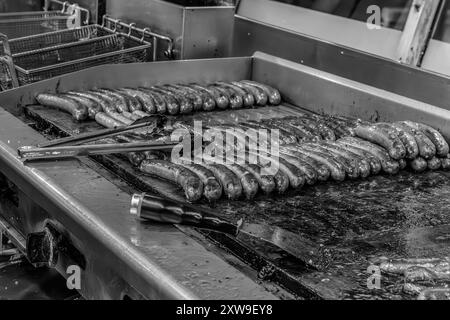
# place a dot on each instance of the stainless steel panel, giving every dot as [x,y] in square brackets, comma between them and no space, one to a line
[415,83]
[198,32]
[208,32]
[326,27]
[434,58]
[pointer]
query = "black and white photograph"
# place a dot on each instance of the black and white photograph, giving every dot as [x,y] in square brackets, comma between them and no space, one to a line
[227,158]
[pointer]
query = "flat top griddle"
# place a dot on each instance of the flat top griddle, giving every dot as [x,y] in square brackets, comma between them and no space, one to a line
[355,223]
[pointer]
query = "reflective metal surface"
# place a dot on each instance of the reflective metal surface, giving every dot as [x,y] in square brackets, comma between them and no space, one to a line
[20,281]
[415,83]
[338,30]
[198,32]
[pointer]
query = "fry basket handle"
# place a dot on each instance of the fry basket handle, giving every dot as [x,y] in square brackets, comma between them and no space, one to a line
[64,5]
[130,28]
[104,18]
[5,42]
[8,61]
[86,11]
[116,22]
[144,32]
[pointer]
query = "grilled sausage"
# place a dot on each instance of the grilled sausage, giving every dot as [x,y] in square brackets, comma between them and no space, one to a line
[349,166]
[434,164]
[171,100]
[427,149]
[284,136]
[235,100]
[287,134]
[186,179]
[266,182]
[442,147]
[121,118]
[272,93]
[296,177]
[212,189]
[92,106]
[145,99]
[325,132]
[340,129]
[120,102]
[259,96]
[281,182]
[188,101]
[249,183]
[308,171]
[408,140]
[209,103]
[69,105]
[375,164]
[280,179]
[231,184]
[301,132]
[104,103]
[418,165]
[309,125]
[247,98]
[133,103]
[108,122]
[135,158]
[362,164]
[196,100]
[388,165]
[446,163]
[130,116]
[222,101]
[156,155]
[385,138]
[323,173]
[158,99]
[111,101]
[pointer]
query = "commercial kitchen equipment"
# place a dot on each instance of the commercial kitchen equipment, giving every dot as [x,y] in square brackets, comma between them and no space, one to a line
[30,59]
[200,29]
[141,260]
[85,202]
[22,24]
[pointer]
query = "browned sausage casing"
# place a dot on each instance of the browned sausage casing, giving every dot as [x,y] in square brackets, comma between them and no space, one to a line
[384,138]
[212,188]
[186,179]
[78,111]
[231,184]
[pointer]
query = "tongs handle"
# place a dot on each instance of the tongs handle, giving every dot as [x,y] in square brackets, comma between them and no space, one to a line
[151,122]
[53,153]
[164,210]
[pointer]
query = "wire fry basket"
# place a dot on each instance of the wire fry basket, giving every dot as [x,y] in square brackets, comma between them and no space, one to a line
[51,39]
[23,24]
[81,48]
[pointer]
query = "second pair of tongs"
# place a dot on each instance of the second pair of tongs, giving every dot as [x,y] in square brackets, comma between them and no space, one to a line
[75,146]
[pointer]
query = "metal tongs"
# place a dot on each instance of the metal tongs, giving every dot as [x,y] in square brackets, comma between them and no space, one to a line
[76,146]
